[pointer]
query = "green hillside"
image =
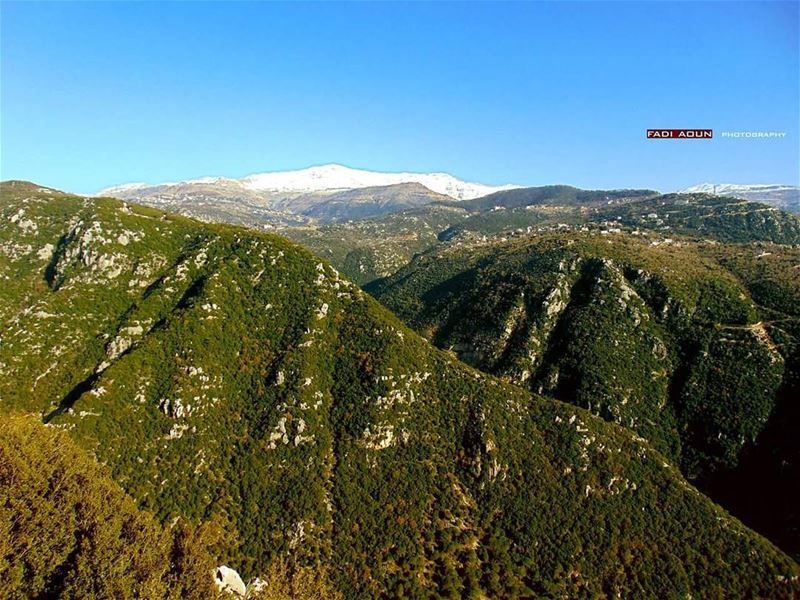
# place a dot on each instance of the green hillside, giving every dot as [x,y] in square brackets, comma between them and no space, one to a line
[715,217]
[693,346]
[555,195]
[70,532]
[367,249]
[230,377]
[370,249]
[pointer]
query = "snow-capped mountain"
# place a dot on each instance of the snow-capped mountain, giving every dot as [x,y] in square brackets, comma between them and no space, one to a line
[126,188]
[333,178]
[338,177]
[733,188]
[785,197]
[327,192]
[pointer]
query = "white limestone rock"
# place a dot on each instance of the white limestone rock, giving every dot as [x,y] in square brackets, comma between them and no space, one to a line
[229,581]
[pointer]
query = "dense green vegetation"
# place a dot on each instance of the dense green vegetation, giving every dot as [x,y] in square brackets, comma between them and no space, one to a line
[231,378]
[555,195]
[708,216]
[369,249]
[772,465]
[68,531]
[694,346]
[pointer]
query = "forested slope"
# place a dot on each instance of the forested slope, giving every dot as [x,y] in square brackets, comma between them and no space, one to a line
[692,345]
[230,377]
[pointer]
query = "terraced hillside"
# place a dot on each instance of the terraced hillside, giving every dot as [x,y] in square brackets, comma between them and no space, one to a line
[692,345]
[230,377]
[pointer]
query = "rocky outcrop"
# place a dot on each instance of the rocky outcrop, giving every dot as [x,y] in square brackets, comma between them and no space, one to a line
[229,581]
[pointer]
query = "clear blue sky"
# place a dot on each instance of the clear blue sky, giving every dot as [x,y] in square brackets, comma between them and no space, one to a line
[102,93]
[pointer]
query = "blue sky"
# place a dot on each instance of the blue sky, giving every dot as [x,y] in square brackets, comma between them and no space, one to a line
[532,93]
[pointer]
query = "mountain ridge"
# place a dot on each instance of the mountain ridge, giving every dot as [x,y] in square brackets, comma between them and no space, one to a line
[330,177]
[658,336]
[785,197]
[287,198]
[229,374]
[369,249]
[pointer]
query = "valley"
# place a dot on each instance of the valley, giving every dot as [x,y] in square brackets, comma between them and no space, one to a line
[399,300]
[231,380]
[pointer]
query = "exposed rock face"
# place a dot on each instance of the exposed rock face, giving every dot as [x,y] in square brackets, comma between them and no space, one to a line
[257,586]
[665,340]
[229,581]
[391,465]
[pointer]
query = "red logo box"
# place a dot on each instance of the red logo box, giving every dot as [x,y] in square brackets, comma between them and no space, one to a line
[680,134]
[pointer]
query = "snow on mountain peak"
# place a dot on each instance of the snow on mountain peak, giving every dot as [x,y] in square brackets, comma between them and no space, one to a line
[330,178]
[125,188]
[732,188]
[784,197]
[338,177]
